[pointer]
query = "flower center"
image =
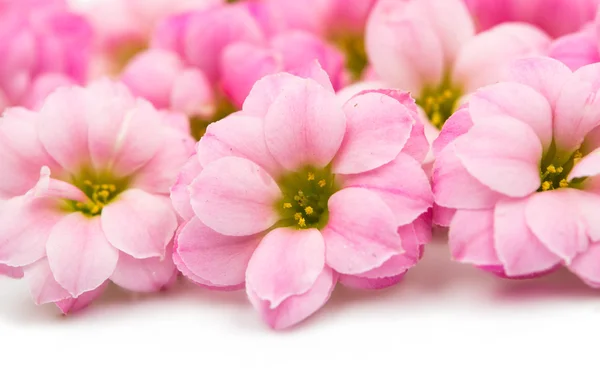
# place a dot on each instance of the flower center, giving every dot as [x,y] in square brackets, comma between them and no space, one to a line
[554,172]
[353,46]
[439,102]
[305,197]
[198,124]
[100,190]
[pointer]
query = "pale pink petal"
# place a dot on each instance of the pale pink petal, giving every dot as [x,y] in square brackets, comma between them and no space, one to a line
[25,224]
[409,198]
[139,224]
[577,108]
[304,125]
[502,153]
[454,187]
[218,259]
[370,283]
[297,307]
[517,247]
[80,256]
[42,285]
[587,265]
[286,263]
[43,86]
[235,196]
[588,166]
[485,58]
[315,71]
[50,187]
[361,233]
[457,125]
[193,95]
[237,135]
[514,100]
[11,272]
[560,220]
[71,305]
[471,237]
[180,195]
[577,49]
[543,74]
[377,127]
[143,275]
[392,27]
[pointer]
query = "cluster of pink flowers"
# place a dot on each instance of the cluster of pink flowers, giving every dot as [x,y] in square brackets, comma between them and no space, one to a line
[286,147]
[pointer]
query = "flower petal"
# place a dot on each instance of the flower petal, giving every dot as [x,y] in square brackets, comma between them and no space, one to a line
[377,128]
[457,125]
[587,265]
[304,125]
[517,247]
[502,153]
[235,196]
[361,233]
[180,194]
[354,282]
[409,198]
[139,224]
[471,237]
[143,275]
[577,49]
[42,285]
[71,305]
[286,263]
[80,256]
[219,259]
[298,307]
[11,272]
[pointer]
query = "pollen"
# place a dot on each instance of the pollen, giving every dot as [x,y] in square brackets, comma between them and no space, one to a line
[322,183]
[302,222]
[308,210]
[546,185]
[311,176]
[298,216]
[551,169]
[563,183]
[287,205]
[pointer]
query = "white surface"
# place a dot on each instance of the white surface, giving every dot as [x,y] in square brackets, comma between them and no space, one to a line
[444,323]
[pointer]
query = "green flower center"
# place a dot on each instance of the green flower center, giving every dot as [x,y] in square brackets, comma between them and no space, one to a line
[100,190]
[305,197]
[353,46]
[198,125]
[439,102]
[554,170]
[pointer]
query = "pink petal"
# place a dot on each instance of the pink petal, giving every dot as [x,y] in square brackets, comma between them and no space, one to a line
[286,263]
[577,49]
[315,71]
[215,258]
[588,166]
[180,195]
[457,125]
[297,307]
[454,187]
[587,265]
[485,58]
[139,224]
[237,135]
[517,247]
[361,233]
[407,199]
[143,275]
[11,272]
[25,224]
[560,220]
[471,237]
[370,283]
[377,128]
[80,256]
[577,108]
[71,305]
[193,95]
[304,125]
[235,196]
[43,86]
[543,74]
[42,285]
[514,100]
[503,154]
[50,187]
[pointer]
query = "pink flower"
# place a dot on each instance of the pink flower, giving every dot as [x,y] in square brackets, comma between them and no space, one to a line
[42,46]
[86,181]
[124,27]
[12,272]
[556,17]
[579,48]
[520,165]
[298,191]
[429,48]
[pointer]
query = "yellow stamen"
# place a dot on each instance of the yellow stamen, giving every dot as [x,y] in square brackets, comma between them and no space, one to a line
[546,185]
[311,176]
[322,183]
[436,119]
[287,205]
[551,169]
[309,210]
[559,169]
[302,222]
[298,216]
[563,183]
[577,157]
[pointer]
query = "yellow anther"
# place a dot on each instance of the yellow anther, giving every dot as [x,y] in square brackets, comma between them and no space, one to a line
[447,94]
[322,183]
[302,222]
[298,216]
[551,169]
[309,210]
[546,185]
[311,176]
[436,119]
[95,209]
[559,169]
[296,198]
[287,205]
[563,183]
[104,194]
[300,193]
[429,101]
[87,183]
[577,157]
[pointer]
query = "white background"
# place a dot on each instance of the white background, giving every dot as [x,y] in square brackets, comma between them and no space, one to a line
[446,322]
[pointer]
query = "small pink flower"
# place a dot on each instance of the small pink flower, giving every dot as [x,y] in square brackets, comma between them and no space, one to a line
[43,46]
[556,17]
[520,165]
[87,183]
[298,191]
[429,48]
[123,28]
[579,48]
